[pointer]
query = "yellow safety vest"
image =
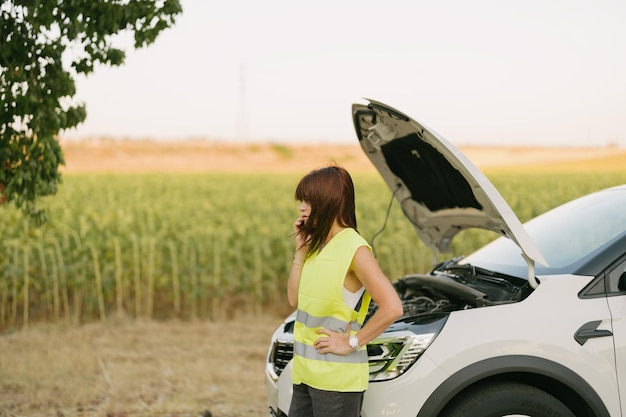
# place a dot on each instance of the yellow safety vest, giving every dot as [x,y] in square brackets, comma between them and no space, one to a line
[321,304]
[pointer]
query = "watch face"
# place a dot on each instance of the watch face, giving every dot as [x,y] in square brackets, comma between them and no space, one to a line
[354,342]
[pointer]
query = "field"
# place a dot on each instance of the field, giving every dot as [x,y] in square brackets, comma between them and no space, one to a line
[162,263]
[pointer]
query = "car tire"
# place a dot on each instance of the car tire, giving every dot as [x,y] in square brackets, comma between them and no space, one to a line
[506,399]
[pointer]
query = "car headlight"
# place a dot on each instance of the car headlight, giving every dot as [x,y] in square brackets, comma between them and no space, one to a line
[393,353]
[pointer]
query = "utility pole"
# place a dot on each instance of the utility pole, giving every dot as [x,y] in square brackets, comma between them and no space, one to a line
[242,132]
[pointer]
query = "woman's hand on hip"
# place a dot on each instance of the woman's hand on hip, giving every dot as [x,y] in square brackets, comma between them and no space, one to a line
[333,342]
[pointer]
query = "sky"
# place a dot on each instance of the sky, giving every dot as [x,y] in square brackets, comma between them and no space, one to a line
[481,72]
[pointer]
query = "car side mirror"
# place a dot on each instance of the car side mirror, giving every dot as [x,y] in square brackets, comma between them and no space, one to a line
[621,283]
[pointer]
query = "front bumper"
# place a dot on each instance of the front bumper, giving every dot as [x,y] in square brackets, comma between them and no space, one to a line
[279,391]
[397,397]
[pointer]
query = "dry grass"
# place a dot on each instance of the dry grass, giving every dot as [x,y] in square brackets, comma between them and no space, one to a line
[133,368]
[204,156]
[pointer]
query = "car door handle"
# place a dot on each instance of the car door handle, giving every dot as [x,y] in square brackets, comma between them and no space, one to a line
[589,331]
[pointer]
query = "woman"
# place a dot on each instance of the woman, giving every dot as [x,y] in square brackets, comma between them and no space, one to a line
[332,279]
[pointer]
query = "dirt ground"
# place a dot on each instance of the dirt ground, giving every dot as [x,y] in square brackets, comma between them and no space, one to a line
[134,368]
[130,368]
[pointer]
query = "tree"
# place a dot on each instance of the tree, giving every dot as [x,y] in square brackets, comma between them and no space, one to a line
[44,45]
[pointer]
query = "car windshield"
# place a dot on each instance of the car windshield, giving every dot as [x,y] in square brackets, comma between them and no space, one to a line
[564,235]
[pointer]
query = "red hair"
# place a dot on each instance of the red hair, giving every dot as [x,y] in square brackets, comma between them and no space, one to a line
[330,193]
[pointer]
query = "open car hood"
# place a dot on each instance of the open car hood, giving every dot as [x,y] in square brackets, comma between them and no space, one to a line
[439,189]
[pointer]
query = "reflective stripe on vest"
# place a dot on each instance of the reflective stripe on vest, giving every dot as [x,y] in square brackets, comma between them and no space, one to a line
[332,323]
[309,352]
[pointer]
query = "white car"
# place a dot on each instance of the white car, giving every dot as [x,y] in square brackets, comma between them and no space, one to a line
[532,324]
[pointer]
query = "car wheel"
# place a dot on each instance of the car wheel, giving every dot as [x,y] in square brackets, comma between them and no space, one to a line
[506,399]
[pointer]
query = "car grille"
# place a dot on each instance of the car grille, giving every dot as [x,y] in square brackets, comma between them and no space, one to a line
[281,355]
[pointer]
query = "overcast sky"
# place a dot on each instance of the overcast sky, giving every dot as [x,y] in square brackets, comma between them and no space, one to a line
[480,72]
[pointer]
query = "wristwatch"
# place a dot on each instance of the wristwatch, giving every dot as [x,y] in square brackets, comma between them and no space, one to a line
[353,341]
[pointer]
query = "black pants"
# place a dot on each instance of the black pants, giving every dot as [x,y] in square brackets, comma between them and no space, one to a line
[311,402]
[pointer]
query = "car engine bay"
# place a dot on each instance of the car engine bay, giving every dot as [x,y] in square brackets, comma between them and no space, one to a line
[451,286]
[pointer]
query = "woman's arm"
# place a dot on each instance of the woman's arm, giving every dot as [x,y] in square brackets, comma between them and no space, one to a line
[367,270]
[294,277]
[298,262]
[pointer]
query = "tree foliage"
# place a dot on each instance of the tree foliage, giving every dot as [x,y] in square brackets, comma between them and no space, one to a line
[44,45]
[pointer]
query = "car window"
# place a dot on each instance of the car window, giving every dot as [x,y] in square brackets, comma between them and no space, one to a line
[597,288]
